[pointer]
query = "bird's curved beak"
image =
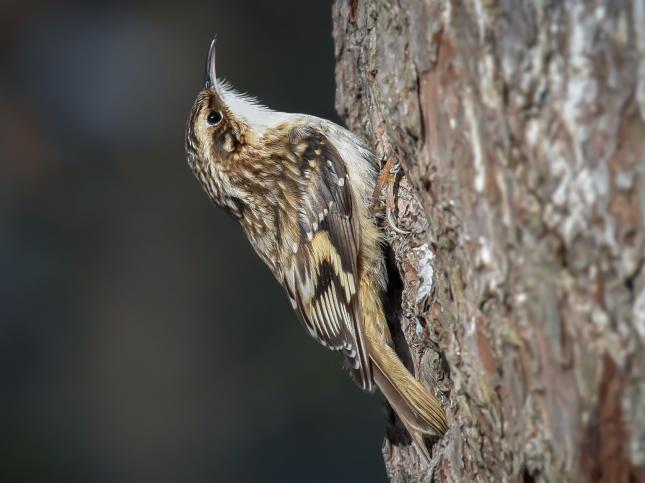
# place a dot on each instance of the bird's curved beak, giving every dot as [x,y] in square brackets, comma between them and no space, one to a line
[210,79]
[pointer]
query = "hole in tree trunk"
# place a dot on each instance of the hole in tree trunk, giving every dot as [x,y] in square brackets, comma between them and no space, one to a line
[395,431]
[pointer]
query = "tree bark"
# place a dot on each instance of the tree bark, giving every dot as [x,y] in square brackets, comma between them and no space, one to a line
[520,130]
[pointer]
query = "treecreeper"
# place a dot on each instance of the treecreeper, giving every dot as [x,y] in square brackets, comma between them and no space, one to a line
[301,188]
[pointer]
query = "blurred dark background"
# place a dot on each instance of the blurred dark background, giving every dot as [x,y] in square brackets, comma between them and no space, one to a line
[141,340]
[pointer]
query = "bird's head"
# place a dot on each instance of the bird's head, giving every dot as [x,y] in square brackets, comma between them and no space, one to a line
[221,124]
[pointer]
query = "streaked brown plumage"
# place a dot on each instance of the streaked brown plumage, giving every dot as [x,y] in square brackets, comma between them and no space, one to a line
[300,187]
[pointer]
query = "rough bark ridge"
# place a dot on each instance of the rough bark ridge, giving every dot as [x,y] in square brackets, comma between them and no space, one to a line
[520,127]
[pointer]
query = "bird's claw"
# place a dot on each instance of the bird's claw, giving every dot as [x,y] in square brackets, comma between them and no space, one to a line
[392,224]
[387,177]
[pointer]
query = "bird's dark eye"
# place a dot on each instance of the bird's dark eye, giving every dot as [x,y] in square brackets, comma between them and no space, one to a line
[214,117]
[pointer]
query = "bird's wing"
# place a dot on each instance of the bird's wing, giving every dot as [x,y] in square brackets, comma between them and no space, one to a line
[321,277]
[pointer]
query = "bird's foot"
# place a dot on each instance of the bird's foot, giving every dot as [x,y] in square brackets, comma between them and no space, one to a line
[387,178]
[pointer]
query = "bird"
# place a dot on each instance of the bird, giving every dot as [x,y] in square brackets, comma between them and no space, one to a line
[301,188]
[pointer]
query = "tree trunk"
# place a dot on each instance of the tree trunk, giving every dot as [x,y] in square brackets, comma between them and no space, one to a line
[520,130]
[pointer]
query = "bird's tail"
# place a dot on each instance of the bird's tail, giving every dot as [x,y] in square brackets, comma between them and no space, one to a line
[420,411]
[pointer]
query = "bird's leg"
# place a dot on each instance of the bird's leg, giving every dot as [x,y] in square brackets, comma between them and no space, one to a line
[383,179]
[387,177]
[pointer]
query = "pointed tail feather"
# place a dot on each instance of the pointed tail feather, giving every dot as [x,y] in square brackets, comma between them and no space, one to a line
[420,412]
